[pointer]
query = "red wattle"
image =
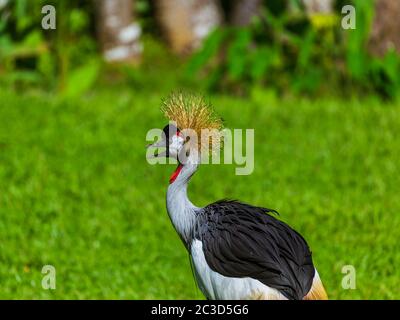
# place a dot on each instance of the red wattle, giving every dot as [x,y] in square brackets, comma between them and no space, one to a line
[175,173]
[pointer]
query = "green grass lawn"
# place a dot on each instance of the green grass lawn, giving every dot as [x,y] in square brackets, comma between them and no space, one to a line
[76,192]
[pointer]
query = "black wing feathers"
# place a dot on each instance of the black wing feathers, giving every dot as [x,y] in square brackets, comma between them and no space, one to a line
[241,240]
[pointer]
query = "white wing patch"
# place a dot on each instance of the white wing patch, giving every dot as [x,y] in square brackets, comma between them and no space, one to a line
[218,287]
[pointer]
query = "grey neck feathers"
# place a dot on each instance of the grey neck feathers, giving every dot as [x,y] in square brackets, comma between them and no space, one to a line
[180,209]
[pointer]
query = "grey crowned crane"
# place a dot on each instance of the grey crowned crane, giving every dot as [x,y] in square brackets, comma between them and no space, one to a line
[238,251]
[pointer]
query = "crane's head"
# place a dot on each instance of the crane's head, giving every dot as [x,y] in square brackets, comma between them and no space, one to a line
[190,118]
[172,140]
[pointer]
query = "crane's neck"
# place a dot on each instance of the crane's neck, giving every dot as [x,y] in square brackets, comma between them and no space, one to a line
[180,209]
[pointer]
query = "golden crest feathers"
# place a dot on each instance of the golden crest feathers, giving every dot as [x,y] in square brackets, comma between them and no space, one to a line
[190,111]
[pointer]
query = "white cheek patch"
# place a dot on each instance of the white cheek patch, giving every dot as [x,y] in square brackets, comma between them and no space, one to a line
[175,146]
[176,143]
[178,140]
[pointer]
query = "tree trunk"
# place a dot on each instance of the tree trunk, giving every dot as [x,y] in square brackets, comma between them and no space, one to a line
[385,33]
[243,11]
[185,23]
[119,35]
[318,6]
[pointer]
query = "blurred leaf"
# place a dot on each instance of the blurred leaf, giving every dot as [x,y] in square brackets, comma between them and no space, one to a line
[23,19]
[261,60]
[386,73]
[209,49]
[33,39]
[3,24]
[323,21]
[356,61]
[6,46]
[306,49]
[237,53]
[356,58]
[81,79]
[307,81]
[78,20]
[46,65]
[390,65]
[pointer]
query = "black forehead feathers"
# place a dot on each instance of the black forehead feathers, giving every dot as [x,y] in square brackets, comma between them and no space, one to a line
[170,130]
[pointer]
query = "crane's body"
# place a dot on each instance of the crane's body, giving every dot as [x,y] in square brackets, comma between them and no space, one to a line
[238,251]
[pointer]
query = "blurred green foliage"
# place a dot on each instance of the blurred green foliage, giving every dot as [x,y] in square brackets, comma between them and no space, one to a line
[52,59]
[283,49]
[286,49]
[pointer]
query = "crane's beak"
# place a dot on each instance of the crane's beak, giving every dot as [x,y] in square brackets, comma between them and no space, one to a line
[159,144]
[172,147]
